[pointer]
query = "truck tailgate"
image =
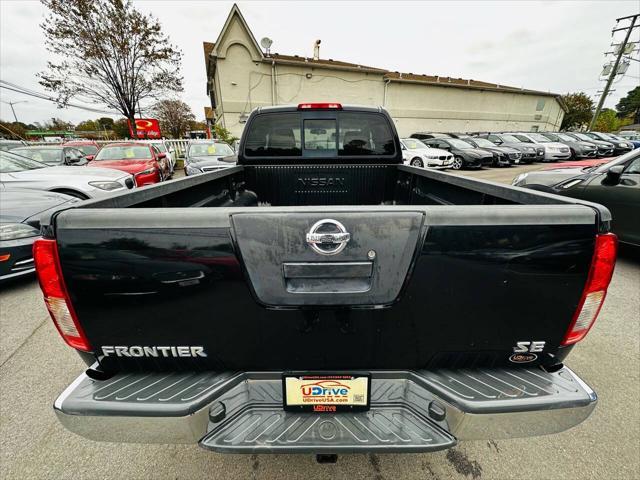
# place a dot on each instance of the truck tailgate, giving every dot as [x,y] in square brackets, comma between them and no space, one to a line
[239,289]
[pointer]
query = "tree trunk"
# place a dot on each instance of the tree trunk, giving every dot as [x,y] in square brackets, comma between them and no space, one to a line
[134,129]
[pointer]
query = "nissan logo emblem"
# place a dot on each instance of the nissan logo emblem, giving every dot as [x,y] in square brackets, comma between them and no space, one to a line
[328,237]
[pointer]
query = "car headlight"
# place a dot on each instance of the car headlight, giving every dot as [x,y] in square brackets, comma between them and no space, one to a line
[147,171]
[622,145]
[106,185]
[13,231]
[519,179]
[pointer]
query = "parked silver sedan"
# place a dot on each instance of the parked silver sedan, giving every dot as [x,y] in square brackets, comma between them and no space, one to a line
[206,156]
[86,182]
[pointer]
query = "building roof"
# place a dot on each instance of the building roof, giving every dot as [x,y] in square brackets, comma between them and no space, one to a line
[331,63]
[461,83]
[209,48]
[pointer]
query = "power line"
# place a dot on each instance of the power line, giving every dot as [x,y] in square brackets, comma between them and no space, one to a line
[11,104]
[32,93]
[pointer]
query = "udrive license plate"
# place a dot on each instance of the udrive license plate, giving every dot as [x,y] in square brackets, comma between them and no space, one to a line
[326,392]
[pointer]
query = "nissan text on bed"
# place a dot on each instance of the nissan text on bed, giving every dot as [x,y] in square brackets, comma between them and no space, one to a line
[320,296]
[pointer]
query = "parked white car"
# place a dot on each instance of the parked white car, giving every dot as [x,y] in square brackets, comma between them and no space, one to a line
[552,150]
[416,153]
[169,152]
[80,182]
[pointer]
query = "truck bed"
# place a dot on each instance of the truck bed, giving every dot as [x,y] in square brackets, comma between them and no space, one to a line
[465,269]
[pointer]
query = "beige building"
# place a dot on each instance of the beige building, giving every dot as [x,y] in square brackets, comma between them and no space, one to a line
[241,76]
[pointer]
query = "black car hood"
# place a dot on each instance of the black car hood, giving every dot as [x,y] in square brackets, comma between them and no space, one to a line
[19,205]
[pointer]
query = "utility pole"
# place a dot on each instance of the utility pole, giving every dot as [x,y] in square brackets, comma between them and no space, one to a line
[614,70]
[11,104]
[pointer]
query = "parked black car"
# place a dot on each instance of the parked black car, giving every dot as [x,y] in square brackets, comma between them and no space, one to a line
[616,185]
[465,155]
[579,148]
[605,149]
[53,155]
[426,135]
[20,226]
[530,153]
[620,147]
[502,156]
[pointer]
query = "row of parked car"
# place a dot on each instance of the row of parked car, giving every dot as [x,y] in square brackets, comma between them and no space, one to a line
[503,149]
[35,179]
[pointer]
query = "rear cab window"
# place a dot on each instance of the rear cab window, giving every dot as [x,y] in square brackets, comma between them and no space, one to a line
[305,135]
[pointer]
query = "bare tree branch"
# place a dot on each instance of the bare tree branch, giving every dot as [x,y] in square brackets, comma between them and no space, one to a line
[108,53]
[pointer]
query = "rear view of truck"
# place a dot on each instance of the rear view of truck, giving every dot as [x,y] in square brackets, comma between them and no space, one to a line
[323,297]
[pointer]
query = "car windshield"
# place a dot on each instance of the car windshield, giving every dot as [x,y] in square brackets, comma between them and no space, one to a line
[124,152]
[9,145]
[50,156]
[582,136]
[160,146]
[538,138]
[482,142]
[213,149]
[565,137]
[510,138]
[413,143]
[609,136]
[86,149]
[10,163]
[461,144]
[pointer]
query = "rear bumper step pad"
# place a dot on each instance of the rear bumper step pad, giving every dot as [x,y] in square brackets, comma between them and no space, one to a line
[185,408]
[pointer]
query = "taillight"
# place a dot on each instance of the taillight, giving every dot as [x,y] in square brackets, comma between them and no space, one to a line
[45,256]
[595,290]
[319,106]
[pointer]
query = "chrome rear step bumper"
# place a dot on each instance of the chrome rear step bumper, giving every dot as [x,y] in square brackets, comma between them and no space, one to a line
[242,412]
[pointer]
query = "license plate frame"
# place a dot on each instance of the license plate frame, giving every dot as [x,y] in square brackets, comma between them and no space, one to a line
[335,382]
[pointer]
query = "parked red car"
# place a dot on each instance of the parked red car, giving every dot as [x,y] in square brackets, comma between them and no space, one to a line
[88,147]
[142,160]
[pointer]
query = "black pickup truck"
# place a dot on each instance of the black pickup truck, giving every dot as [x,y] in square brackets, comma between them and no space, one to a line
[320,296]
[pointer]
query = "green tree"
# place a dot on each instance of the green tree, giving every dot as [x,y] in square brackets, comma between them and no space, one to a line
[629,106]
[14,130]
[607,121]
[121,129]
[105,123]
[87,126]
[58,124]
[174,116]
[223,134]
[108,53]
[580,110]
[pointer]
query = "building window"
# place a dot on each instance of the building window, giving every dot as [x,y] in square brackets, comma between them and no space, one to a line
[540,105]
[534,128]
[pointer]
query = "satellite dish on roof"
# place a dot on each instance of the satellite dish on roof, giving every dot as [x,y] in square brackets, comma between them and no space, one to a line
[266,43]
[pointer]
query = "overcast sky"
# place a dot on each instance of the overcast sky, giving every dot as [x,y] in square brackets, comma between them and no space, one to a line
[550,46]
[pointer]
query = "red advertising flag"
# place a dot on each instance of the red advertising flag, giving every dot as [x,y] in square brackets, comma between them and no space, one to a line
[146,128]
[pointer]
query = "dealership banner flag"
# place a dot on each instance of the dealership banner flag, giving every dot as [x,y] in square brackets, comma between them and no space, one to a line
[146,128]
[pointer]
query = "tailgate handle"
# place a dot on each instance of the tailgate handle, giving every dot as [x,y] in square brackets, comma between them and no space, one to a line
[328,270]
[328,277]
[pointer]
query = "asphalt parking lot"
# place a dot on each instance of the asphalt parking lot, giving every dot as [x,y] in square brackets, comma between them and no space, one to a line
[35,366]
